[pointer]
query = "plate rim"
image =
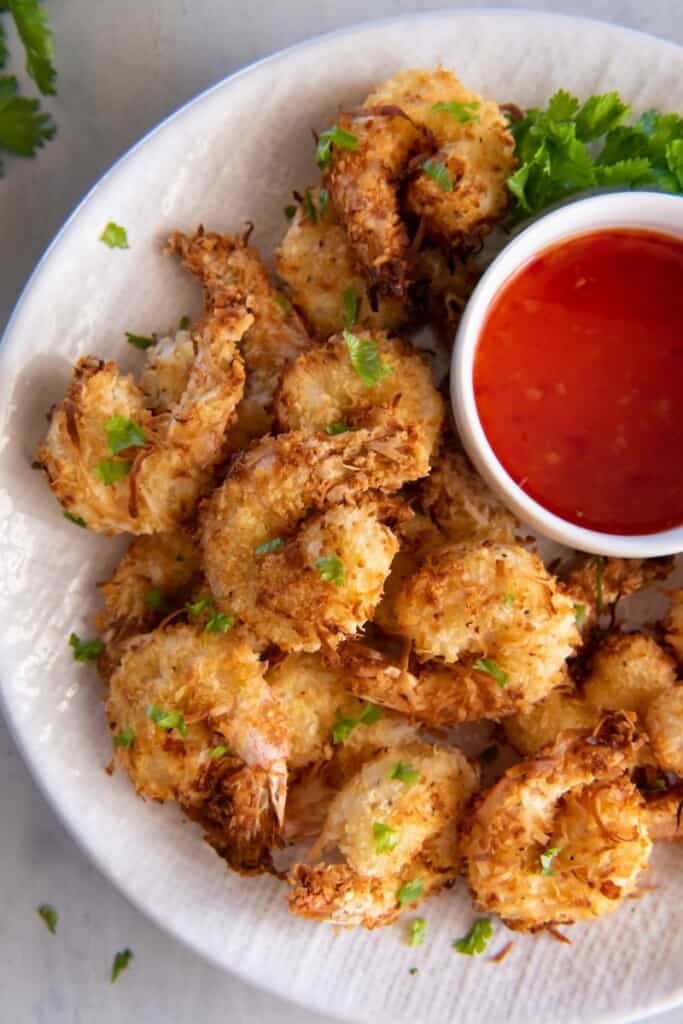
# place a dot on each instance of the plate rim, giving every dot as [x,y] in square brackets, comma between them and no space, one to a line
[32,763]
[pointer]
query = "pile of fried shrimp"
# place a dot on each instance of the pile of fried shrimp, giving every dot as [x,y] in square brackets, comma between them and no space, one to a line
[321,596]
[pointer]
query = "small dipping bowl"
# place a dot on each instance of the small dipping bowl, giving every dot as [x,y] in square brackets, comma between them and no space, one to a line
[635,211]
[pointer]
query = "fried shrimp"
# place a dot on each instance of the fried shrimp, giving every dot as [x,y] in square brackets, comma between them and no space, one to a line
[596,583]
[466,191]
[160,462]
[538,726]
[561,838]
[394,823]
[276,336]
[461,504]
[167,370]
[664,815]
[664,724]
[418,537]
[299,579]
[627,672]
[323,391]
[674,634]
[364,185]
[316,263]
[194,720]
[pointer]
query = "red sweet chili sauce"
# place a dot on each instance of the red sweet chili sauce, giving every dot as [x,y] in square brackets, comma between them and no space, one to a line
[578,380]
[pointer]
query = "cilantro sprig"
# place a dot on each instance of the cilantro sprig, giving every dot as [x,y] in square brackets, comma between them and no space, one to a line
[331,570]
[489,666]
[462,112]
[49,916]
[85,650]
[571,146]
[334,136]
[123,433]
[476,940]
[167,720]
[121,961]
[366,359]
[439,173]
[344,725]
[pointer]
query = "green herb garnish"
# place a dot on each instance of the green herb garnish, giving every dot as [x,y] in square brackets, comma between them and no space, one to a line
[579,614]
[85,650]
[462,112]
[309,208]
[75,519]
[141,341]
[475,942]
[495,671]
[323,200]
[184,323]
[111,471]
[269,546]
[218,752]
[417,932]
[366,360]
[331,570]
[334,136]
[122,433]
[197,607]
[49,916]
[115,236]
[386,838]
[125,738]
[414,971]
[121,961]
[547,858]
[290,211]
[410,892]
[438,173]
[405,773]
[155,599]
[167,719]
[219,623]
[284,303]
[344,726]
[337,428]
[509,600]
[351,302]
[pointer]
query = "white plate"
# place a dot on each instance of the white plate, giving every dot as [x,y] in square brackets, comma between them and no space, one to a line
[231,155]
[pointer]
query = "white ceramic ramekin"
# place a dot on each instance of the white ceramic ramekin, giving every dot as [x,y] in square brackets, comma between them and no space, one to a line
[643,210]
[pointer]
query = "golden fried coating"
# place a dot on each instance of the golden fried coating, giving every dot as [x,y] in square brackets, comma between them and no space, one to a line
[664,724]
[596,583]
[153,485]
[674,634]
[167,370]
[473,144]
[461,504]
[280,590]
[418,537]
[276,336]
[194,720]
[316,263]
[443,285]
[664,815]
[364,185]
[321,390]
[394,823]
[560,838]
[538,726]
[627,672]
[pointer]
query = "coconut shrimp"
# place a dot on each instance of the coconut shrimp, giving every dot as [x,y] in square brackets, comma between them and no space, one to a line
[627,672]
[276,336]
[664,815]
[194,720]
[596,583]
[316,263]
[562,837]
[538,726]
[664,724]
[461,504]
[322,390]
[290,543]
[364,185]
[167,369]
[674,634]
[419,536]
[443,285]
[394,823]
[121,468]
[474,155]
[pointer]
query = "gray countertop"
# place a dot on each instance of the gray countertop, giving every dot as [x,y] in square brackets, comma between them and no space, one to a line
[122,67]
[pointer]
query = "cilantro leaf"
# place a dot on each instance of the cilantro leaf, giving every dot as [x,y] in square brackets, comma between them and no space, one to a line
[4,53]
[309,208]
[112,471]
[49,916]
[579,614]
[489,666]
[115,236]
[562,106]
[337,428]
[284,303]
[405,772]
[462,112]
[547,858]
[323,199]
[366,360]
[417,932]
[85,650]
[632,173]
[674,159]
[76,520]
[121,961]
[122,433]
[167,719]
[475,942]
[413,971]
[184,323]
[125,738]
[199,606]
[370,714]
[386,838]
[269,546]
[599,115]
[331,570]
[334,136]
[142,341]
[219,623]
[23,127]
[155,599]
[410,892]
[290,211]
[218,752]
[31,22]
[439,173]
[351,301]
[344,725]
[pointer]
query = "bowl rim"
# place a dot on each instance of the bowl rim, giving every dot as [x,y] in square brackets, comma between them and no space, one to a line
[640,210]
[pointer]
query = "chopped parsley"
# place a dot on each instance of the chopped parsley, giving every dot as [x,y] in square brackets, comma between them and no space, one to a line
[547,858]
[476,940]
[111,471]
[49,916]
[351,302]
[125,738]
[155,599]
[141,341]
[509,600]
[366,360]
[115,236]
[197,607]
[410,892]
[386,838]
[417,932]
[309,208]
[405,772]
[337,428]
[284,303]
[489,666]
[184,323]
[121,961]
[462,112]
[269,546]
[323,199]
[489,754]
[414,971]
[75,519]
[579,614]
[30,20]
[331,570]
[219,623]
[85,650]
[122,433]
[599,573]
[290,211]
[439,174]
[218,752]
[344,726]
[167,719]
[334,136]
